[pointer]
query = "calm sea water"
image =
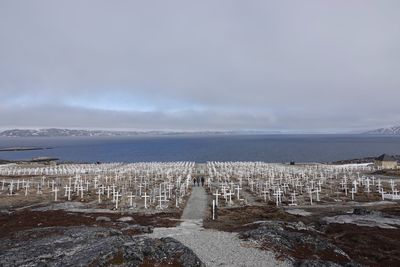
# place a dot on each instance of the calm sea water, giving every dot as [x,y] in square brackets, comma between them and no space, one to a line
[267,148]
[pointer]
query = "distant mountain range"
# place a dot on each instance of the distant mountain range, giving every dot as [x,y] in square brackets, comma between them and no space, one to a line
[55,132]
[394,130]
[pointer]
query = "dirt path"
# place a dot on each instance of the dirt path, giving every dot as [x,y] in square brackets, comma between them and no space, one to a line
[214,248]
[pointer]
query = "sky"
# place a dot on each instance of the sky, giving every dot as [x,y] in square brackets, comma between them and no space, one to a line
[291,66]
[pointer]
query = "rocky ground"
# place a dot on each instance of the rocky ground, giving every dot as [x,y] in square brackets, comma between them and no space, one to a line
[14,222]
[91,246]
[334,236]
[46,236]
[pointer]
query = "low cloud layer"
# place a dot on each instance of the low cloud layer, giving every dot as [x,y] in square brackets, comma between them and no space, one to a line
[209,65]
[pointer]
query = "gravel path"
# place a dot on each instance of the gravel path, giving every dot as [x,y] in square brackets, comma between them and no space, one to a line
[214,248]
[197,204]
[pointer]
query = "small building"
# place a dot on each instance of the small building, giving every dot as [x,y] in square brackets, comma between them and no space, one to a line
[386,162]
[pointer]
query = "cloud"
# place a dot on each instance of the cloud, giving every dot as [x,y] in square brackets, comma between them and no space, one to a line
[76,117]
[225,65]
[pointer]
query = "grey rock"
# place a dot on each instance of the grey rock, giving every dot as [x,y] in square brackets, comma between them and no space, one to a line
[103,219]
[94,246]
[316,263]
[361,211]
[139,228]
[125,219]
[286,237]
[320,263]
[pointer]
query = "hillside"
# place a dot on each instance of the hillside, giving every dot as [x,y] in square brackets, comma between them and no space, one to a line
[55,132]
[395,130]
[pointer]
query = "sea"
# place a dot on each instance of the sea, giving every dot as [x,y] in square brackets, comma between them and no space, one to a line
[203,148]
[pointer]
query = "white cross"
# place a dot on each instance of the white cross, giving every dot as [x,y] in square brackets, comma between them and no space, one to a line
[55,190]
[368,190]
[68,192]
[38,189]
[117,195]
[95,182]
[319,184]
[131,196]
[310,192]
[160,197]
[99,193]
[81,188]
[265,192]
[238,188]
[11,187]
[108,191]
[353,190]
[277,195]
[102,189]
[355,186]
[113,188]
[87,185]
[293,199]
[145,199]
[392,185]
[252,185]
[382,193]
[26,188]
[216,197]
[312,184]
[230,196]
[317,190]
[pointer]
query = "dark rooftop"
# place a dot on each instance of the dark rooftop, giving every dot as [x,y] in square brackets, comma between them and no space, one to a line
[385,157]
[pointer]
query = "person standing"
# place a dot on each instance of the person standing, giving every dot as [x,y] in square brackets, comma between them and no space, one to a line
[194,181]
[202,180]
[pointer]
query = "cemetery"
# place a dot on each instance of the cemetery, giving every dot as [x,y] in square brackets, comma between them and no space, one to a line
[300,214]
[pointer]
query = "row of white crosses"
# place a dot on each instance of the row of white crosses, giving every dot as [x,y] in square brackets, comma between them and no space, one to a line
[57,170]
[155,184]
[245,171]
[280,181]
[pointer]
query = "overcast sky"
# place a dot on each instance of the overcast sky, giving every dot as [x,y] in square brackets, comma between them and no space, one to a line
[200,65]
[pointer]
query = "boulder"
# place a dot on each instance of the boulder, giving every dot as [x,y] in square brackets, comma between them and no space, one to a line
[125,219]
[103,219]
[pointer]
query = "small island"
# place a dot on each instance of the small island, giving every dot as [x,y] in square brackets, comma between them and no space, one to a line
[11,149]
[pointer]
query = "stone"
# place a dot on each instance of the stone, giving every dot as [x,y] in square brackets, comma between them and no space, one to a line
[125,219]
[320,263]
[361,211]
[103,219]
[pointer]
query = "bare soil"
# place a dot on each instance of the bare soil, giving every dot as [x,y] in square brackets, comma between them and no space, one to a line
[240,218]
[372,246]
[27,219]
